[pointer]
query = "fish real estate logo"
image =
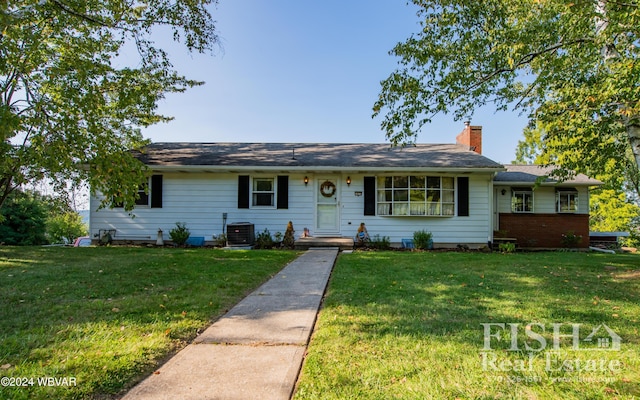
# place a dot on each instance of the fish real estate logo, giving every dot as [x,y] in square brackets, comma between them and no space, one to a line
[556,348]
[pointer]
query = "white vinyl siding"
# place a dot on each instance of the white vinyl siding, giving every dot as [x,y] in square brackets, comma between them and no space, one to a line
[545,200]
[201,199]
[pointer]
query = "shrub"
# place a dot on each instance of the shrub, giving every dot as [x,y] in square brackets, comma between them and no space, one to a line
[380,242]
[570,239]
[23,219]
[507,247]
[277,238]
[264,240]
[633,240]
[180,234]
[423,240]
[65,227]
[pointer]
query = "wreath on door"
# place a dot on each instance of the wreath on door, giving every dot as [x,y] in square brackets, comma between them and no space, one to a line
[328,189]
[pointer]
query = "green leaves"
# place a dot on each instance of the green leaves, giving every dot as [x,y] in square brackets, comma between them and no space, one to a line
[545,58]
[612,212]
[79,78]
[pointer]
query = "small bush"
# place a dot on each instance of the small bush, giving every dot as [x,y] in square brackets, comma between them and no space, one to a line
[423,240]
[264,240]
[507,247]
[633,240]
[64,228]
[180,234]
[570,239]
[277,238]
[380,242]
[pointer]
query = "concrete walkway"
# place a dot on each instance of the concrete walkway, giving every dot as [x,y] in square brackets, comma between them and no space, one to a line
[255,351]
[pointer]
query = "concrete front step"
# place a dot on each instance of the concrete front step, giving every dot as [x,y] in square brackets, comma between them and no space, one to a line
[343,243]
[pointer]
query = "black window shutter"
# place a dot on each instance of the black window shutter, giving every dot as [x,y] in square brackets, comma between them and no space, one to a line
[369,195]
[156,191]
[243,191]
[283,191]
[463,196]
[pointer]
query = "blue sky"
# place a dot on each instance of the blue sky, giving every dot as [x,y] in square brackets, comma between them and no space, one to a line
[303,71]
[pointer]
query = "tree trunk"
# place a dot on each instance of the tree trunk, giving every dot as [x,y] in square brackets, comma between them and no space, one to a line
[5,190]
[633,132]
[609,53]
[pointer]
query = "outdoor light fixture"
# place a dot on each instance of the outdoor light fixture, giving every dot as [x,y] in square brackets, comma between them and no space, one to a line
[348,181]
[504,191]
[306,180]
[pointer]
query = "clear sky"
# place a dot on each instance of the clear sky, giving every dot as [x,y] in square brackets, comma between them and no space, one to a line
[306,71]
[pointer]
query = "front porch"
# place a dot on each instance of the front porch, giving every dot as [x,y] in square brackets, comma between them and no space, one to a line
[343,243]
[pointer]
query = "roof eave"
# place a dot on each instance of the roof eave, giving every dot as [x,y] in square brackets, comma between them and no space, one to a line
[247,168]
[554,183]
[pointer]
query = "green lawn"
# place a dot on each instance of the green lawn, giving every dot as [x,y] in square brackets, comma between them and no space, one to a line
[409,325]
[103,317]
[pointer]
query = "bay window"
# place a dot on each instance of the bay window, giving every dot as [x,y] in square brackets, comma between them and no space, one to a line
[416,195]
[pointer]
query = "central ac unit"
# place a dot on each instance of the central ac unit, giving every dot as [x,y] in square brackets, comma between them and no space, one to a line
[241,234]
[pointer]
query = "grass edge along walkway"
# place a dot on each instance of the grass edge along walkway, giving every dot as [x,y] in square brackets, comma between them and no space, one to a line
[409,325]
[105,316]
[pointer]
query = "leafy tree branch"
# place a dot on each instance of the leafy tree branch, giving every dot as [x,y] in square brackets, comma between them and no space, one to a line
[78,79]
[573,67]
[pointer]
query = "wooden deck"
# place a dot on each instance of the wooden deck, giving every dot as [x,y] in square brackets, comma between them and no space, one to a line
[343,243]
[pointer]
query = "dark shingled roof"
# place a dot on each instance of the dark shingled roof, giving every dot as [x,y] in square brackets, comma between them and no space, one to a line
[531,173]
[300,155]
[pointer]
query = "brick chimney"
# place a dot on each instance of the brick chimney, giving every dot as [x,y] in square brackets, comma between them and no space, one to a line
[471,136]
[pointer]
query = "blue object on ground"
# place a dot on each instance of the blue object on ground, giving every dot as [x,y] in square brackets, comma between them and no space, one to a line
[407,243]
[195,241]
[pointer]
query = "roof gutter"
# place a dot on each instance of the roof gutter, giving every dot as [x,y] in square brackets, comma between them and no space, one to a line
[556,183]
[363,169]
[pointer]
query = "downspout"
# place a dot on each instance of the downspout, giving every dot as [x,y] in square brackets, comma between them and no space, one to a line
[492,215]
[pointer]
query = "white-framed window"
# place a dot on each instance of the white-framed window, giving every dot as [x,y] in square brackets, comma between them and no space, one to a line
[416,195]
[521,200]
[567,201]
[263,192]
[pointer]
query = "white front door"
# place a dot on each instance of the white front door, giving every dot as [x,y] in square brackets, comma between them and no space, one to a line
[327,206]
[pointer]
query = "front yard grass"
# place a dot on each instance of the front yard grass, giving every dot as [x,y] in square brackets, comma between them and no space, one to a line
[409,325]
[103,317]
